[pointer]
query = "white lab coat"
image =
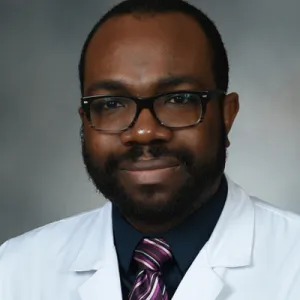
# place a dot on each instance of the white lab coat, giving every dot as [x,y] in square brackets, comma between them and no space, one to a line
[253,254]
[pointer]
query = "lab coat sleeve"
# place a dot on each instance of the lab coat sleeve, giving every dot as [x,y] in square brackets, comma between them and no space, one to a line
[294,292]
[2,249]
[5,273]
[11,270]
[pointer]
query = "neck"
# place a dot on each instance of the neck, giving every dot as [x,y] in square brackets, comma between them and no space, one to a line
[162,227]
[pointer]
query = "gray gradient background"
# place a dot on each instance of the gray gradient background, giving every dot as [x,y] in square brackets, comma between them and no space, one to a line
[42,174]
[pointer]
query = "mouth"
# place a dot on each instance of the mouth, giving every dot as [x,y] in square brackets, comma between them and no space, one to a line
[151,171]
[150,164]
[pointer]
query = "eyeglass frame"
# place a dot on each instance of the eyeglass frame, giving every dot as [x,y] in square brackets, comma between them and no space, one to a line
[148,103]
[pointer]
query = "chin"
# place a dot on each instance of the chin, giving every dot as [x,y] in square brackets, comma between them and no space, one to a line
[151,196]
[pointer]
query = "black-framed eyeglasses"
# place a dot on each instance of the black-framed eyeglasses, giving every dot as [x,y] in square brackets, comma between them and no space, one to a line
[173,110]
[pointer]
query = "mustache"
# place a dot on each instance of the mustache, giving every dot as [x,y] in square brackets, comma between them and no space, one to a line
[183,155]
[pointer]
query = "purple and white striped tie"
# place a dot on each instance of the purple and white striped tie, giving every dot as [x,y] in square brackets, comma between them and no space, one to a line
[150,255]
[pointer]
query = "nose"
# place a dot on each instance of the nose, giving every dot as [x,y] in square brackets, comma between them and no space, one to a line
[146,130]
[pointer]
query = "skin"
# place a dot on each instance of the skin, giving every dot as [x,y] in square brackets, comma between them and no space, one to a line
[140,55]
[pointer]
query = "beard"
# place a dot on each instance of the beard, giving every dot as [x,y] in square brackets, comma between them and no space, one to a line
[203,174]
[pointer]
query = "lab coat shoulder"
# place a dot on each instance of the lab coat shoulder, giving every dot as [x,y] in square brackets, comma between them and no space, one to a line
[53,247]
[277,226]
[55,236]
[276,249]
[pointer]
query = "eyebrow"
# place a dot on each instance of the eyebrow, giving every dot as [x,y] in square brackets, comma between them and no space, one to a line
[175,80]
[169,82]
[109,85]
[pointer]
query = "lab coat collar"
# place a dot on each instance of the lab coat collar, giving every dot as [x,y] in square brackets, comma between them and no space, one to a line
[229,246]
[97,249]
[231,243]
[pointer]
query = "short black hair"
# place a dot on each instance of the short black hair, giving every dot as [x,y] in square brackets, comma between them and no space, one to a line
[220,59]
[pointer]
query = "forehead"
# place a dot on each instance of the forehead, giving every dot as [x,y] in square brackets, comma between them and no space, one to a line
[140,50]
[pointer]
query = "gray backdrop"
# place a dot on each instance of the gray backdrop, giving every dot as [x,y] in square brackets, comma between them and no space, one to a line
[42,175]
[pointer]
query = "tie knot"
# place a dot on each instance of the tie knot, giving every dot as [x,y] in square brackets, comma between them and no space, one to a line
[151,254]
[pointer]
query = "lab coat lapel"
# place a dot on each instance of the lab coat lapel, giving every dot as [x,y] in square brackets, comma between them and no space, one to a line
[200,281]
[230,246]
[97,260]
[103,284]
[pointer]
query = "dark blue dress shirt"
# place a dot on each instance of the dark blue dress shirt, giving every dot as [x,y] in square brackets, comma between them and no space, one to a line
[185,240]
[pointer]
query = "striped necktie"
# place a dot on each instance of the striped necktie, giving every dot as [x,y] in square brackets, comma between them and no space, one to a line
[150,255]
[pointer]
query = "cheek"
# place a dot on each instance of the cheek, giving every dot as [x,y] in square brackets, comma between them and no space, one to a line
[203,139]
[99,145]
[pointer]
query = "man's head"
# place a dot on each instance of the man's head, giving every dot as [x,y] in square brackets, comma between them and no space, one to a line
[142,48]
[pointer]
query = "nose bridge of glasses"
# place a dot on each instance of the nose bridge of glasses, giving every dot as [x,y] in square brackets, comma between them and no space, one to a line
[145,106]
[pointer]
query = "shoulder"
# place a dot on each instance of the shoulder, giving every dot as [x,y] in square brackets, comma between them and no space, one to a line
[49,240]
[276,235]
[265,213]
[275,216]
[45,255]
[275,228]
[277,244]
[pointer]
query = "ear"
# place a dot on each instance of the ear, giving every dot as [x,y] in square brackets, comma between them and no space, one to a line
[81,113]
[230,110]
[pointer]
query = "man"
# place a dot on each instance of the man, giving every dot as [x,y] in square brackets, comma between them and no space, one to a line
[156,116]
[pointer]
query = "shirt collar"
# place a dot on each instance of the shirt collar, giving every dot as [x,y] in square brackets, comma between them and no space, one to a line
[185,240]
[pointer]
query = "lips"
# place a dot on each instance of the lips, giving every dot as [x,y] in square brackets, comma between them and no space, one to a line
[150,164]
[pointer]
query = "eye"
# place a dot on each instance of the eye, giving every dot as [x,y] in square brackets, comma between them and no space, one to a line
[105,105]
[182,99]
[112,104]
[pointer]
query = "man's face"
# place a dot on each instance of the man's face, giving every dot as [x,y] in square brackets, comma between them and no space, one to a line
[149,171]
